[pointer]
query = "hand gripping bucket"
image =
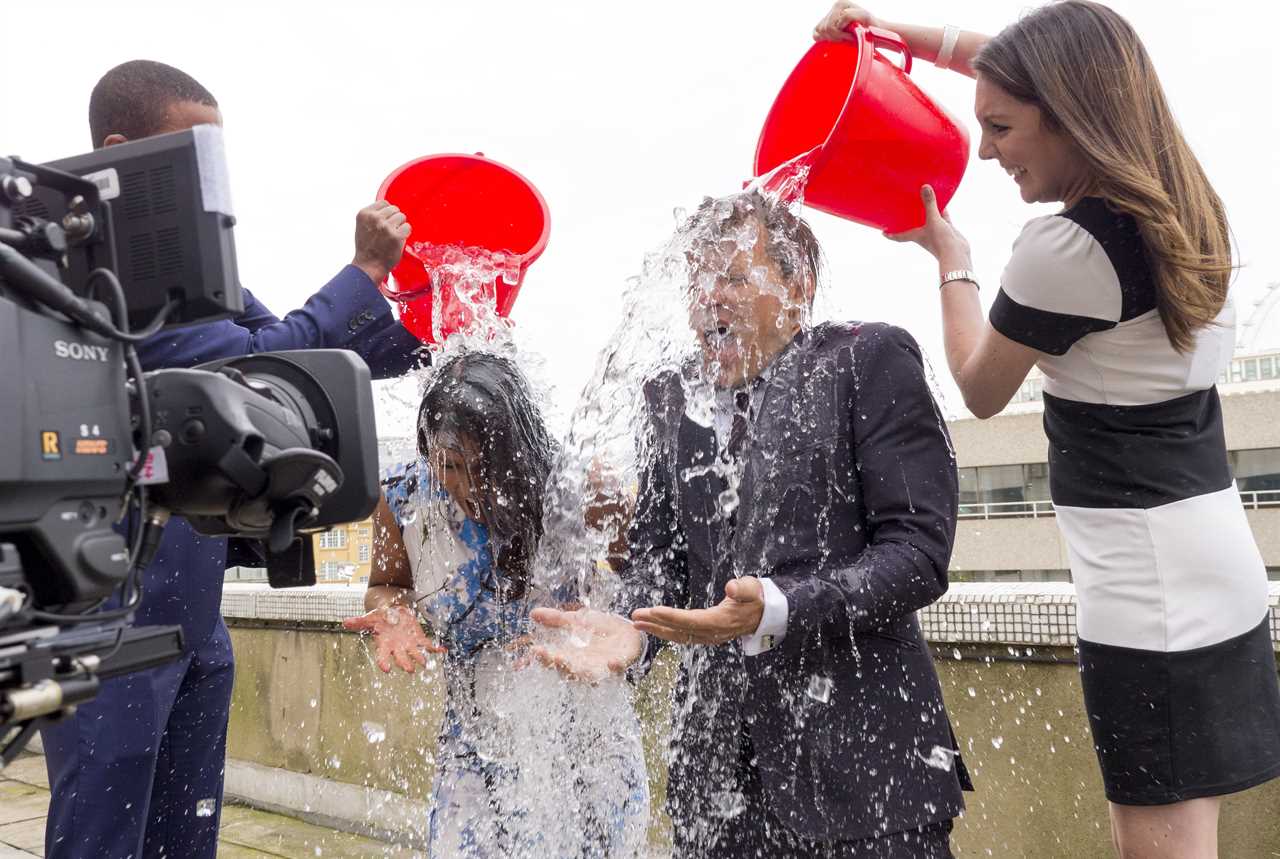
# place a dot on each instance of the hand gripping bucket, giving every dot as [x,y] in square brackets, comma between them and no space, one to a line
[466,200]
[873,135]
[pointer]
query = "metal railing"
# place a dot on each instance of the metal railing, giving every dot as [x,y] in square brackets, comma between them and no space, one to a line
[1258,500]
[1007,510]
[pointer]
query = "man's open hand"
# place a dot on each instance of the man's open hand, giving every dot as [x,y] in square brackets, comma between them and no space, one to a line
[397,635]
[594,644]
[381,231]
[738,614]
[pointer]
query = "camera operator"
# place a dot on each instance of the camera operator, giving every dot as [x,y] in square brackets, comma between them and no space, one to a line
[139,770]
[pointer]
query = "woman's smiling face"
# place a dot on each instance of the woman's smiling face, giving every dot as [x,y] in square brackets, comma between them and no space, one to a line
[1045,164]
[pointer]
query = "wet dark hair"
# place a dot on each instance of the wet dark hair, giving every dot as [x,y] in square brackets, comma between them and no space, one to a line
[133,97]
[791,243]
[484,398]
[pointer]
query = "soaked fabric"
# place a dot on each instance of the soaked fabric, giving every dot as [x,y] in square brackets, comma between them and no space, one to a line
[453,574]
[509,780]
[846,501]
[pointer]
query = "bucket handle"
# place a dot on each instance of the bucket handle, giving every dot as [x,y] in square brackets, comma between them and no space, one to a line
[882,38]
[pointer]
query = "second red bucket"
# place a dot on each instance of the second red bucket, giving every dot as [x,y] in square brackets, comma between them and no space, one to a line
[875,136]
[465,200]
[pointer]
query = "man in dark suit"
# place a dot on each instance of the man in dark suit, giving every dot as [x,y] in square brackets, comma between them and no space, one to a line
[791,543]
[138,771]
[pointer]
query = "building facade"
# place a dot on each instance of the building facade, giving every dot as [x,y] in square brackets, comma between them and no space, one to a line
[1007,530]
[344,552]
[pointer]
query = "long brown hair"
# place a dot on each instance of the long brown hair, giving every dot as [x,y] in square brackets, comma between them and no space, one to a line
[1086,69]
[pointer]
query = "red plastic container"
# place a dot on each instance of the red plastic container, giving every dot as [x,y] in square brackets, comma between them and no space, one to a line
[875,136]
[464,200]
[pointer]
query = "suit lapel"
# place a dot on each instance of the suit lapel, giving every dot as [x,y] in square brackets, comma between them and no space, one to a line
[764,436]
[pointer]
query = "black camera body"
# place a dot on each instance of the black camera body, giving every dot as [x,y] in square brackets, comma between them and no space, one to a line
[267,447]
[65,445]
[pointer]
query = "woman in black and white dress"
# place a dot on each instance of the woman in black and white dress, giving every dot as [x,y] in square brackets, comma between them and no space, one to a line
[1121,300]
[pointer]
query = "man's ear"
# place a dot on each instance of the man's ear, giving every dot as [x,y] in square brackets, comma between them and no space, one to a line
[801,290]
[808,288]
[113,139]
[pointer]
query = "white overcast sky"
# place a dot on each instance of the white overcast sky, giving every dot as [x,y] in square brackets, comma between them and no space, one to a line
[618,112]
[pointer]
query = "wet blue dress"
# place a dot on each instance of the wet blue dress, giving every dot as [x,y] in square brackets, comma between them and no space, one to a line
[510,776]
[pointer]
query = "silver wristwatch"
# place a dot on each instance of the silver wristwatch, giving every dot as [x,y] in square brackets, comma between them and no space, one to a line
[958,274]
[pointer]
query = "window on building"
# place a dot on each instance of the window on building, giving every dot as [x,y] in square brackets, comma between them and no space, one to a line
[365,552]
[1257,470]
[1267,367]
[1037,481]
[1031,390]
[1251,370]
[336,539]
[329,569]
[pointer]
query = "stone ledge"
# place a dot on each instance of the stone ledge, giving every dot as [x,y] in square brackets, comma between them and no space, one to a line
[337,805]
[1017,613]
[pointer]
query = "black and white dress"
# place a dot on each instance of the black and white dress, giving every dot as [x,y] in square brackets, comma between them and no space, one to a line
[1176,657]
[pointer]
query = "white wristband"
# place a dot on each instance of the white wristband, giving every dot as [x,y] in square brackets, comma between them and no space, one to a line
[950,35]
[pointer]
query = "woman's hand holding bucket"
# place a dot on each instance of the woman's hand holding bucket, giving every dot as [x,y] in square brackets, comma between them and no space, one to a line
[834,27]
[938,236]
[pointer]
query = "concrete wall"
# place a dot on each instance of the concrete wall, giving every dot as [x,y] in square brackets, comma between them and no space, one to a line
[1003,440]
[308,699]
[1251,421]
[1009,544]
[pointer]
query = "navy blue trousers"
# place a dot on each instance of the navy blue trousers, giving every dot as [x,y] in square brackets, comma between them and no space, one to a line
[137,772]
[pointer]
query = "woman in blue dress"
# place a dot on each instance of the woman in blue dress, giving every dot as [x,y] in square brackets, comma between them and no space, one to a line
[457,533]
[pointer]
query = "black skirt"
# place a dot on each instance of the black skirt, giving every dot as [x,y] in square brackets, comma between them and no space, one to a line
[1169,727]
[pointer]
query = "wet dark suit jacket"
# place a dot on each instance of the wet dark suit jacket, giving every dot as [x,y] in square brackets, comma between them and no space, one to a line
[848,502]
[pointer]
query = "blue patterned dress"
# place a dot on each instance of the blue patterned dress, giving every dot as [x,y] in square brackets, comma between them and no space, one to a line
[498,719]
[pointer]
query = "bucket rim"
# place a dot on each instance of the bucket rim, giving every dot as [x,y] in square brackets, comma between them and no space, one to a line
[857,83]
[539,245]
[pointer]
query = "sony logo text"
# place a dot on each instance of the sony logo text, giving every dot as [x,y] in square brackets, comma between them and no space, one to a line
[80,351]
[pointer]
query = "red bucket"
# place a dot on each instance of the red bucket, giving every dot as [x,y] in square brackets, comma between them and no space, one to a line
[465,200]
[875,136]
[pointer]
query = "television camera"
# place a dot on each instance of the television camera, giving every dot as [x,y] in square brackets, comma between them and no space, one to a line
[98,253]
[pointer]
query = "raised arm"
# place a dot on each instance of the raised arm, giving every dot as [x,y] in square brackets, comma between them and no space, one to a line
[925,42]
[348,312]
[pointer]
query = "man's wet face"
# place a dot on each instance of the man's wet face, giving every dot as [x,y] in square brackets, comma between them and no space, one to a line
[742,310]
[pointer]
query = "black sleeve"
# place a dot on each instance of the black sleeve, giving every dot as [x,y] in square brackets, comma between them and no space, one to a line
[907,474]
[1059,286]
